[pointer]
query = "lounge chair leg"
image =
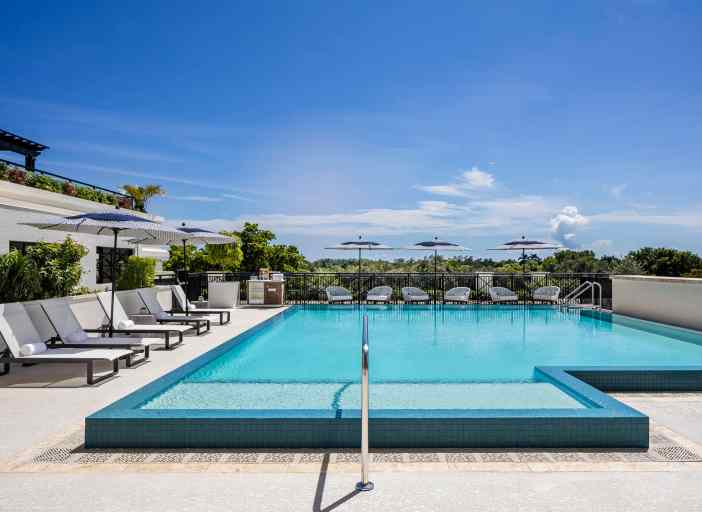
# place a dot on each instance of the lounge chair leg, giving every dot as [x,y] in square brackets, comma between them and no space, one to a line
[168,340]
[92,380]
[5,366]
[131,362]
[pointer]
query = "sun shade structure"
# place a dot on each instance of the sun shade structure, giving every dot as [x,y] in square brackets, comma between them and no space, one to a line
[436,245]
[525,245]
[360,245]
[117,224]
[194,235]
[17,144]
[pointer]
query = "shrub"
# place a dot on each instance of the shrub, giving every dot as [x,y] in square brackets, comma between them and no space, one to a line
[19,278]
[43,182]
[58,266]
[137,272]
[4,171]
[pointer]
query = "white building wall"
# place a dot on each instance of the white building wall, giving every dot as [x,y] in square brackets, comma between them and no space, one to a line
[19,203]
[670,300]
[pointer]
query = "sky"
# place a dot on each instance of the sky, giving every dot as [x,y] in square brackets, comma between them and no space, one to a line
[476,122]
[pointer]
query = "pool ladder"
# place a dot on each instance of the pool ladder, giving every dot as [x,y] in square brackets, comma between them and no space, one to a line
[364,484]
[570,299]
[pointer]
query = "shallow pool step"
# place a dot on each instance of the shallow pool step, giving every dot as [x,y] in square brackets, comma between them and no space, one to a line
[332,396]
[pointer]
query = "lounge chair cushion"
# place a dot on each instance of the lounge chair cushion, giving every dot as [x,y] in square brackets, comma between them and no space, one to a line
[79,336]
[125,324]
[30,349]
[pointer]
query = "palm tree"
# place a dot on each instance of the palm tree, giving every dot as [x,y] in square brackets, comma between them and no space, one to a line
[142,195]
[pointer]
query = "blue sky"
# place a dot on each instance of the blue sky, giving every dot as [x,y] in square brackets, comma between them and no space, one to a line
[577,122]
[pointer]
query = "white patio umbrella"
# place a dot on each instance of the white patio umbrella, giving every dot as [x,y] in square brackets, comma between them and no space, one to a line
[436,245]
[196,236]
[360,245]
[113,222]
[525,245]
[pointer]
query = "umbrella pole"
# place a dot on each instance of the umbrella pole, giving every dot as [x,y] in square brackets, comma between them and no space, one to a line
[115,231]
[436,253]
[523,261]
[359,276]
[187,277]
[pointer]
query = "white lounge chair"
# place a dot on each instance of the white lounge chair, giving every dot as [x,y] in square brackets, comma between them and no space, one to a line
[500,294]
[547,294]
[379,294]
[412,294]
[24,345]
[457,294]
[72,334]
[182,300]
[125,325]
[153,307]
[338,294]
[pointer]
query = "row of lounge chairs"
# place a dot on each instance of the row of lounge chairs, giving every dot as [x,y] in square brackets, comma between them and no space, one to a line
[73,342]
[460,294]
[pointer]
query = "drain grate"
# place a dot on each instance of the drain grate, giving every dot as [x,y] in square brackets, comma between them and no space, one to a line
[424,457]
[496,457]
[242,458]
[354,458]
[279,458]
[677,454]
[95,458]
[387,457]
[169,458]
[460,457]
[132,458]
[311,458]
[532,457]
[53,456]
[208,457]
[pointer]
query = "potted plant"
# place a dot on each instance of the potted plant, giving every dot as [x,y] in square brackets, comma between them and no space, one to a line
[17,176]
[69,188]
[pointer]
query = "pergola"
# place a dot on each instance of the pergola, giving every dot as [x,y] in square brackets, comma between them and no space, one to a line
[30,149]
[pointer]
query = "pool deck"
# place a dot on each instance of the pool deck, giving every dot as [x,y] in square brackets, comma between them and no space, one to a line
[43,465]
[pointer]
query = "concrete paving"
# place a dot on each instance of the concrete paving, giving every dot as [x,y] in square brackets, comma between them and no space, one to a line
[40,403]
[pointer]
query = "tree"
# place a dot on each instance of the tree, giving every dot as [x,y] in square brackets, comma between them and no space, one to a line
[58,266]
[142,195]
[254,246]
[197,259]
[137,272]
[661,261]
[227,257]
[628,266]
[286,258]
[19,278]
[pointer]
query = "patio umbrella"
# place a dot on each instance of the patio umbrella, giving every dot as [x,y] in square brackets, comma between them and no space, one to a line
[196,236]
[436,245]
[113,222]
[525,245]
[359,245]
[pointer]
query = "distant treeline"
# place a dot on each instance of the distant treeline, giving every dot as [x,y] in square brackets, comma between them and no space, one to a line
[648,260]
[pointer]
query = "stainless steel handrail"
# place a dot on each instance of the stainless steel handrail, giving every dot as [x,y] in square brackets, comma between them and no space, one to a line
[582,288]
[364,484]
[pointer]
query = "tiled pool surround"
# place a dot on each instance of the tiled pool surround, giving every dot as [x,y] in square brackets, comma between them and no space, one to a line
[605,423]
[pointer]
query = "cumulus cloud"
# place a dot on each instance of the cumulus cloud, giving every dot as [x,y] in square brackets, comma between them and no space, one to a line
[565,224]
[468,181]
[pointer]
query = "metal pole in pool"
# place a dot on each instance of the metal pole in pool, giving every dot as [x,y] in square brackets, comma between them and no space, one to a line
[364,484]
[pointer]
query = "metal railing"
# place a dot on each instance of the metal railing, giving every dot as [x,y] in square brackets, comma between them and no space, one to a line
[308,288]
[125,198]
[364,484]
[573,297]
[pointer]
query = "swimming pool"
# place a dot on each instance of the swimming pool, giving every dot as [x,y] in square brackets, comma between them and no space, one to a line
[446,368]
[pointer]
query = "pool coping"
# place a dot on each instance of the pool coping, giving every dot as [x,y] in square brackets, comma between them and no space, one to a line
[606,423]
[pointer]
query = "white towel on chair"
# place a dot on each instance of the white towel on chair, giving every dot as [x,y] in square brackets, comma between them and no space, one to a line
[31,349]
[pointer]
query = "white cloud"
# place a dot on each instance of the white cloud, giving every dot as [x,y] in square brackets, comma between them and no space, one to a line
[468,181]
[199,199]
[565,224]
[502,215]
[617,191]
[601,244]
[680,218]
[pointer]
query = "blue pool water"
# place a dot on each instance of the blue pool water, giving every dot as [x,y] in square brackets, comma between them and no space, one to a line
[421,357]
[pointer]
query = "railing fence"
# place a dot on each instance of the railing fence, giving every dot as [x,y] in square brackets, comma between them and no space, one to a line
[308,288]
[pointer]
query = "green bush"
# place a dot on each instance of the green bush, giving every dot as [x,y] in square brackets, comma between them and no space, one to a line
[43,182]
[137,272]
[19,278]
[58,266]
[4,171]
